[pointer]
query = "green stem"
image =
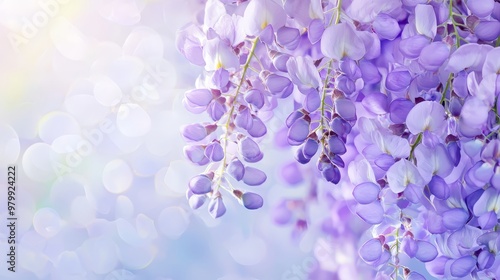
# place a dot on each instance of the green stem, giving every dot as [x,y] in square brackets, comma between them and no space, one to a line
[417,142]
[455,30]
[222,168]
[448,84]
[338,12]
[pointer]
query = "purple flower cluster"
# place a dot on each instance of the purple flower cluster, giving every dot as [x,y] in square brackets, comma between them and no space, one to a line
[395,100]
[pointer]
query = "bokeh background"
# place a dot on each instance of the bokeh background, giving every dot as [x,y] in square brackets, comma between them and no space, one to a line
[90,111]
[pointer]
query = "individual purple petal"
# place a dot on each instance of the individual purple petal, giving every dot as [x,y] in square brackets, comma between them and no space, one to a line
[195,201]
[495,179]
[437,267]
[200,184]
[398,80]
[413,193]
[434,55]
[401,174]
[236,169]
[298,132]
[214,151]
[384,161]
[425,20]
[298,10]
[372,44]
[196,154]
[291,174]
[200,97]
[279,86]
[250,150]
[415,276]
[455,219]
[252,200]
[454,152]
[386,27]
[455,106]
[194,132]
[258,128]
[340,126]
[220,78]
[485,260]
[487,220]
[399,109]
[463,266]
[255,97]
[340,41]
[487,202]
[337,160]
[426,252]
[369,72]
[295,115]
[312,101]
[409,246]
[372,213]
[481,8]
[428,81]
[487,30]
[336,146]
[491,65]
[491,151]
[310,148]
[331,174]
[434,223]
[299,156]
[473,116]
[216,110]
[366,193]
[344,84]
[376,103]
[460,83]
[261,13]
[288,37]
[280,60]
[371,250]
[346,109]
[254,176]
[244,119]
[439,188]
[496,11]
[315,30]
[350,69]
[426,116]
[216,207]
[470,56]
[267,35]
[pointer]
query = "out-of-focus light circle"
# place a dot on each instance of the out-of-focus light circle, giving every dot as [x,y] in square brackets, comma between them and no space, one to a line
[56,124]
[117,176]
[173,222]
[47,222]
[9,144]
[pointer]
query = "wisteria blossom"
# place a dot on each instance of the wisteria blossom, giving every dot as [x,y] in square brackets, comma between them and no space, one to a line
[390,109]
